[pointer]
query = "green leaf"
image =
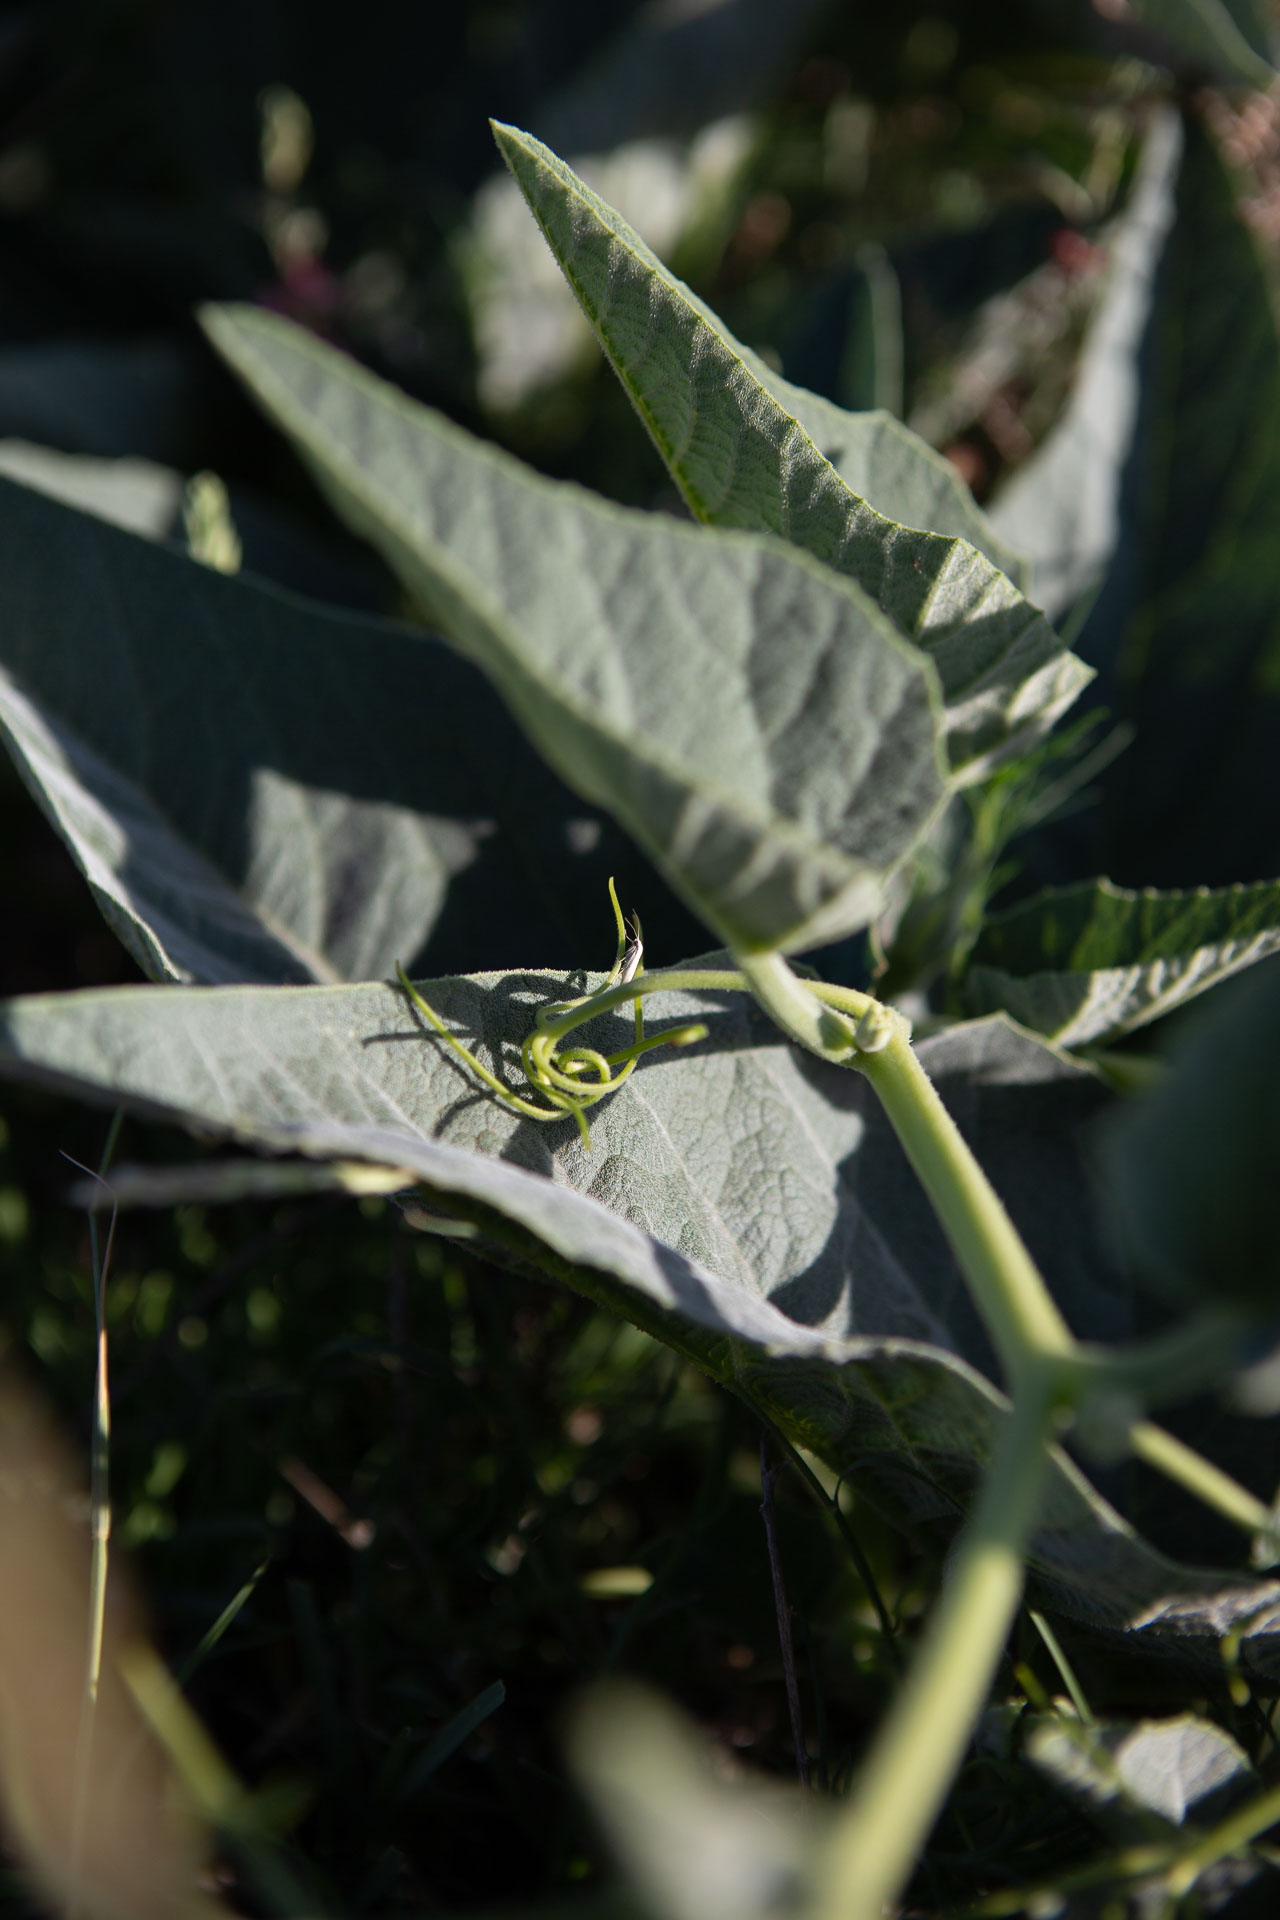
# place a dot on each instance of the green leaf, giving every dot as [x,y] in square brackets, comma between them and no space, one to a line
[1232,38]
[742,1201]
[1121,1769]
[695,1845]
[1085,964]
[257,788]
[1062,507]
[858,491]
[137,494]
[750,718]
[1184,632]
[1191,1168]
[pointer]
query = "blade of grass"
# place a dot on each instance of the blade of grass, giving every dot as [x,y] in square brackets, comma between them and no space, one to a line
[782,1606]
[209,1640]
[1065,1670]
[451,1736]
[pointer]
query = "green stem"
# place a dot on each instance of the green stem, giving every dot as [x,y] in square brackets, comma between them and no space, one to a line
[905,1777]
[1017,1308]
[1228,1837]
[800,1014]
[1199,1476]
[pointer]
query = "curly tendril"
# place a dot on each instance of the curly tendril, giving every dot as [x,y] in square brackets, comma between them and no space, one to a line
[570,1079]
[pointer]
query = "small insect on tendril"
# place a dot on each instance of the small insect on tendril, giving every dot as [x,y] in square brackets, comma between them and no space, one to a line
[634,953]
[569,1079]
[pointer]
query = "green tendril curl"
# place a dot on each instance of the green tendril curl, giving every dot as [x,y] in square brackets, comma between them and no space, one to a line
[563,1075]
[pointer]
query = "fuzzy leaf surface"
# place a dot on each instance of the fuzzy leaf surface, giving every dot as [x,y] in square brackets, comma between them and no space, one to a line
[743,1202]
[258,788]
[858,491]
[1087,963]
[751,719]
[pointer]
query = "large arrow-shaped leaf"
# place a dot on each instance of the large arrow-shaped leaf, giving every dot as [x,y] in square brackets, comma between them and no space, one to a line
[750,717]
[1184,631]
[858,491]
[261,789]
[1062,507]
[1087,963]
[744,1202]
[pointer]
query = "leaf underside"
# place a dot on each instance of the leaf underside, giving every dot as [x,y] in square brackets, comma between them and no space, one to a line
[787,1250]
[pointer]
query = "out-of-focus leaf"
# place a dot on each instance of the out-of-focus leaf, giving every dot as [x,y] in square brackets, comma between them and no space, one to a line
[858,491]
[695,1846]
[848,342]
[1088,963]
[137,494]
[752,719]
[1184,632]
[258,788]
[1233,39]
[1062,507]
[1192,1167]
[217,1183]
[673,70]
[1173,1769]
[784,1247]
[110,398]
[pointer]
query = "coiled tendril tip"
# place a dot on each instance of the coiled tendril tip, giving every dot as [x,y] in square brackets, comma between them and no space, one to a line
[569,1079]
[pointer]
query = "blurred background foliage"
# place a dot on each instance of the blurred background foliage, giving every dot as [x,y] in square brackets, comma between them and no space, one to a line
[421,1477]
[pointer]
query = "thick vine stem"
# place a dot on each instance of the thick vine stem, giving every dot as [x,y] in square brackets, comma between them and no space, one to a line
[801,1015]
[1216,1489]
[905,1778]
[1017,1308]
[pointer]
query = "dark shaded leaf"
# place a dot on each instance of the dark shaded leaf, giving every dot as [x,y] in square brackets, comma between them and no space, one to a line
[1192,1168]
[257,788]
[1085,964]
[1185,631]
[1062,506]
